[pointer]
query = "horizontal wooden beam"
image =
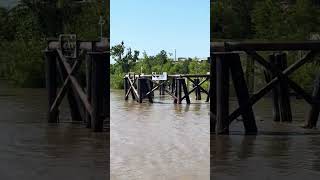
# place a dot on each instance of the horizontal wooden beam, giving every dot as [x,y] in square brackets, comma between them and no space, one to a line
[264,46]
[83,45]
[174,75]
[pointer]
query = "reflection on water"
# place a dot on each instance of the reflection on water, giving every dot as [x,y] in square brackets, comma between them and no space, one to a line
[280,150]
[158,141]
[31,149]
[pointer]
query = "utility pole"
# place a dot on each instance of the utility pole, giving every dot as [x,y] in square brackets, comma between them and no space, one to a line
[175,55]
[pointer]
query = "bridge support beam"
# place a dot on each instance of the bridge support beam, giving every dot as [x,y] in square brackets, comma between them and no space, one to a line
[242,93]
[315,107]
[224,63]
[88,88]
[51,84]
[212,95]
[222,94]
[284,98]
[280,93]
[181,86]
[99,90]
[143,88]
[162,88]
[198,90]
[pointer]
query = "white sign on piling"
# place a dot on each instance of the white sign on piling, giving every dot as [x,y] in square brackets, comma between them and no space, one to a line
[159,77]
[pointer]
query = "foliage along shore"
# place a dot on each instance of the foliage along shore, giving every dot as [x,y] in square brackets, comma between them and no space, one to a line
[24,30]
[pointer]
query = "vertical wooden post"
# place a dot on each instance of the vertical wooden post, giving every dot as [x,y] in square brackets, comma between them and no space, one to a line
[126,88]
[151,87]
[209,91]
[178,91]
[185,90]
[284,99]
[315,107]
[222,95]
[275,91]
[148,88]
[162,88]
[173,85]
[196,82]
[88,84]
[140,89]
[51,84]
[99,89]
[250,74]
[106,89]
[212,94]
[242,93]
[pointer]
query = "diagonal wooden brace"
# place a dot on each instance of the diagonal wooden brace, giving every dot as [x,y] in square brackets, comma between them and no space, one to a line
[263,91]
[65,87]
[73,81]
[281,75]
[198,85]
[172,95]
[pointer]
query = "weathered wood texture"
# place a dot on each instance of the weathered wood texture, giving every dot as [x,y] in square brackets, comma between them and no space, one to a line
[277,75]
[88,101]
[51,84]
[222,94]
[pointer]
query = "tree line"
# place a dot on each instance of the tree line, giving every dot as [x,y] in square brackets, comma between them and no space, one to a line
[25,28]
[269,20]
[128,60]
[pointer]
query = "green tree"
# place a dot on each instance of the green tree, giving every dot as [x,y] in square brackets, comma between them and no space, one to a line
[125,59]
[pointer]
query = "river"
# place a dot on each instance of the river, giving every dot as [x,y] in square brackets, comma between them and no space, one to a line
[151,141]
[31,149]
[158,141]
[171,142]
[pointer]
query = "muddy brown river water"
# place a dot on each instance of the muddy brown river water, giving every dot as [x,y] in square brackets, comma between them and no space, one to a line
[151,141]
[30,149]
[167,141]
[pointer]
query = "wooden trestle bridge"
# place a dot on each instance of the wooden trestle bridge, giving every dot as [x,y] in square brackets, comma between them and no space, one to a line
[88,101]
[143,86]
[226,60]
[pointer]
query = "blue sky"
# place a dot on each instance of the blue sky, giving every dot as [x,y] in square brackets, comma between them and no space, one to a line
[155,25]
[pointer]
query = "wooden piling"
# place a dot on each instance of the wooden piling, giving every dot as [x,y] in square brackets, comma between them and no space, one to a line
[148,87]
[315,107]
[284,98]
[162,88]
[185,89]
[198,90]
[99,89]
[178,91]
[173,85]
[51,84]
[151,86]
[212,95]
[126,88]
[242,93]
[140,89]
[275,91]
[222,94]
[88,86]
[250,74]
